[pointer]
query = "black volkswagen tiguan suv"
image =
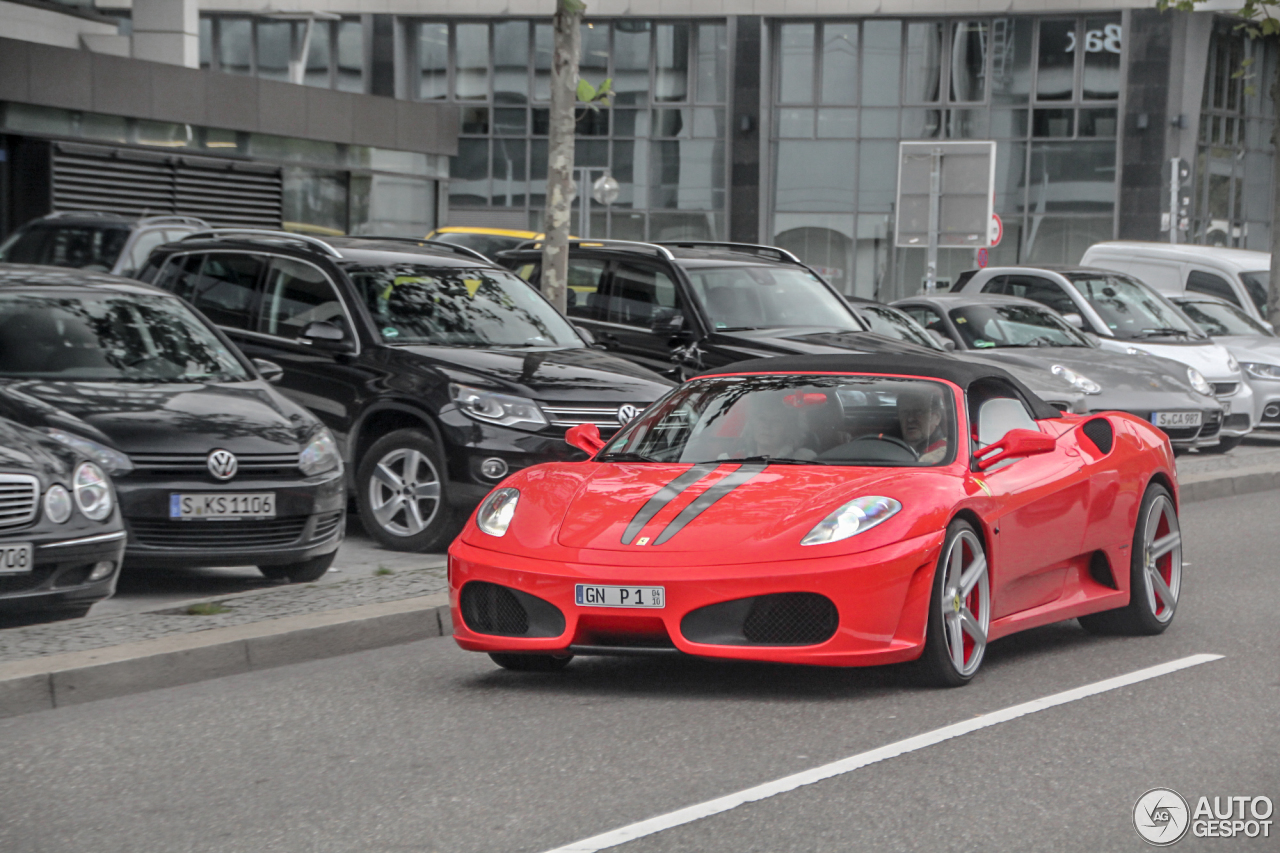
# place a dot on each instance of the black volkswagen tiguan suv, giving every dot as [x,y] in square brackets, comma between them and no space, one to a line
[438,371]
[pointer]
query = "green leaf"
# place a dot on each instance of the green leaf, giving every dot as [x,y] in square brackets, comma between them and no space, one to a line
[586,92]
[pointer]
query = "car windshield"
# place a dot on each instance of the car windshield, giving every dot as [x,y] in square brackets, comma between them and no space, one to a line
[1258,283]
[892,323]
[750,297]
[67,244]
[1218,318]
[812,420]
[486,244]
[1130,309]
[110,338]
[999,326]
[414,304]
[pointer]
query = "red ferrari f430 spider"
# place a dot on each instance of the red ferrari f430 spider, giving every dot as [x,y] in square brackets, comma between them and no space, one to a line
[835,510]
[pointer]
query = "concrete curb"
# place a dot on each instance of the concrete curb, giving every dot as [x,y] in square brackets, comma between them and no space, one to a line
[54,681]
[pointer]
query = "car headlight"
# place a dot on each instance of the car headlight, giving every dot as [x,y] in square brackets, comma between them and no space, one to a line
[57,504]
[1198,382]
[854,517]
[1078,381]
[109,458]
[320,454]
[92,491]
[1261,371]
[1232,364]
[495,514]
[497,408]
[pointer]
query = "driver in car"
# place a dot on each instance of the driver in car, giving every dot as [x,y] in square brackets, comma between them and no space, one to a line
[920,415]
[774,430]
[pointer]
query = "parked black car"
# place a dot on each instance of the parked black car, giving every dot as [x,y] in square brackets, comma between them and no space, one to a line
[61,539]
[680,308]
[212,465]
[438,371]
[97,242]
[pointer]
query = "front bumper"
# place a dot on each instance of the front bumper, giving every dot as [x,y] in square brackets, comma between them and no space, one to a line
[1207,434]
[310,522]
[881,597]
[1241,417]
[60,577]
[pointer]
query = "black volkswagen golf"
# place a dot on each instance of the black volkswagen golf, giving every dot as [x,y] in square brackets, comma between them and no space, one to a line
[438,371]
[213,466]
[60,534]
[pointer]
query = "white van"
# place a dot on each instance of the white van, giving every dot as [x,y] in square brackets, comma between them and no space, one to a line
[1236,275]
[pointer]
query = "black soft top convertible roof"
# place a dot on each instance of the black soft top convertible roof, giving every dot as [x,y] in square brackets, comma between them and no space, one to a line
[961,372]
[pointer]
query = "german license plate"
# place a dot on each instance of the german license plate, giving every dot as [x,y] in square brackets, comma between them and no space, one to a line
[1176,419]
[222,505]
[15,558]
[592,595]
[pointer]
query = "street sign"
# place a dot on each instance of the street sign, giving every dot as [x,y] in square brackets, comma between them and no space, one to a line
[983,258]
[997,230]
[946,198]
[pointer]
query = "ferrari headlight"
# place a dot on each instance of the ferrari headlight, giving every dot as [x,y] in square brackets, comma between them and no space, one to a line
[93,492]
[853,518]
[1078,381]
[1261,371]
[1198,382]
[320,454]
[57,504]
[495,514]
[109,458]
[497,408]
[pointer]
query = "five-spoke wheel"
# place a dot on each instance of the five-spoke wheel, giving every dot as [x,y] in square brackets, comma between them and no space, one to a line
[960,610]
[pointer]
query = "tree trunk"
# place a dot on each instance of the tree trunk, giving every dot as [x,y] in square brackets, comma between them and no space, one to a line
[561,187]
[1273,290]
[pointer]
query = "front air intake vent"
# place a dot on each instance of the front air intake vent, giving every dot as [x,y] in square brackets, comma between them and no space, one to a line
[490,608]
[1100,433]
[782,619]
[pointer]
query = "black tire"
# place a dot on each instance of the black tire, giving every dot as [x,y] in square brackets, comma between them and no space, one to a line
[303,572]
[530,663]
[1225,444]
[399,530]
[936,666]
[1138,616]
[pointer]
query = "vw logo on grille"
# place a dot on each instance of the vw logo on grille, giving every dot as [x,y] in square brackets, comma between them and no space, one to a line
[627,413]
[222,464]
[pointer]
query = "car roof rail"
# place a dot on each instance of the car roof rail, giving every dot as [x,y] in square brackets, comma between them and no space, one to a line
[174,219]
[432,245]
[758,250]
[281,236]
[589,243]
[67,214]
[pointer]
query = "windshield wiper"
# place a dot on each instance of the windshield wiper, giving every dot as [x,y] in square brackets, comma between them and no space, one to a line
[627,456]
[1164,331]
[771,460]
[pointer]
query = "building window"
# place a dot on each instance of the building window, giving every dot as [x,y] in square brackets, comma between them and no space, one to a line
[662,139]
[329,54]
[846,92]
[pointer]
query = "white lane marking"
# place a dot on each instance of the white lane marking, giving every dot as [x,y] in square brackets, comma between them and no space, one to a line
[846,765]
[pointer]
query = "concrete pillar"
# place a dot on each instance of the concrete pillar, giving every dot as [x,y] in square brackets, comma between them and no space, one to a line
[167,31]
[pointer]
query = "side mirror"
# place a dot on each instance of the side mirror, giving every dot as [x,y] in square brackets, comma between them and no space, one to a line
[1074,319]
[325,335]
[943,341]
[1270,328]
[585,334]
[666,320]
[585,437]
[1016,444]
[269,370]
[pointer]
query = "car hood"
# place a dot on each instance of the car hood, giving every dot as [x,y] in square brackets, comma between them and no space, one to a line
[243,417]
[1036,376]
[1262,349]
[545,374]
[1209,358]
[760,506]
[25,451]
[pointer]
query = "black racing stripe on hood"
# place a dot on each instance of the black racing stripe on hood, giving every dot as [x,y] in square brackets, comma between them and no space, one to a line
[664,496]
[707,498]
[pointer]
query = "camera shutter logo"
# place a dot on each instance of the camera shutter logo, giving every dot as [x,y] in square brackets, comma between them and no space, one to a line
[627,413]
[222,464]
[1161,817]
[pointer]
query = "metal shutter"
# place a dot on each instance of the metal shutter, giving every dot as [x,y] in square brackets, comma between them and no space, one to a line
[140,183]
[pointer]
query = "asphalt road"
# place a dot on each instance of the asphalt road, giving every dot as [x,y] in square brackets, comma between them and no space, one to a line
[424,747]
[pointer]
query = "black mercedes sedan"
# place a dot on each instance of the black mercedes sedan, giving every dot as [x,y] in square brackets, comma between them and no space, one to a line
[61,539]
[213,466]
[439,372]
